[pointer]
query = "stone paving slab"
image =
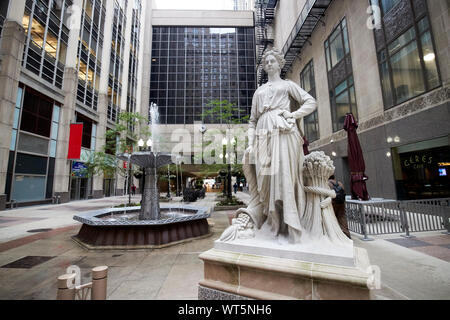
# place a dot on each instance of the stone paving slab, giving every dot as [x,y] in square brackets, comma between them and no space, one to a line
[174,272]
[435,246]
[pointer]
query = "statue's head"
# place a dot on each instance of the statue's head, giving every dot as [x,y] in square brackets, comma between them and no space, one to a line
[273,60]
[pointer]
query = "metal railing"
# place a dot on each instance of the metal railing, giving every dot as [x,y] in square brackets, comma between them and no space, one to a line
[390,217]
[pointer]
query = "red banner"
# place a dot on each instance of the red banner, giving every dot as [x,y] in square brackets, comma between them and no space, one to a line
[76,135]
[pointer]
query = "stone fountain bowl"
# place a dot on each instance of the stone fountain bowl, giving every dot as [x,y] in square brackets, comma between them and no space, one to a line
[119,228]
[147,159]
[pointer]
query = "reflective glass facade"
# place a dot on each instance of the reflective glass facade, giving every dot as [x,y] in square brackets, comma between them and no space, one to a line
[116,59]
[90,52]
[308,84]
[47,34]
[134,56]
[191,66]
[406,52]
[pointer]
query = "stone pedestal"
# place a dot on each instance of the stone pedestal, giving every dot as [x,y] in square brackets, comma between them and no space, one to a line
[237,275]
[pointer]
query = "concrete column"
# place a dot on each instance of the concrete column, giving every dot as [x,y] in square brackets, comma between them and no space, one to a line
[67,116]
[11,50]
[145,61]
[120,186]
[102,107]
[126,58]
[145,20]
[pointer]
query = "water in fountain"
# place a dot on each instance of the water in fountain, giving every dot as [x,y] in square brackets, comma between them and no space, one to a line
[154,127]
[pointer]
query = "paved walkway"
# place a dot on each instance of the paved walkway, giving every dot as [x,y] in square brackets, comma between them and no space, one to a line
[31,262]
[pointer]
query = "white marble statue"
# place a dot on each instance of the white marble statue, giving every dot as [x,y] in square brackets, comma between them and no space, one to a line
[273,166]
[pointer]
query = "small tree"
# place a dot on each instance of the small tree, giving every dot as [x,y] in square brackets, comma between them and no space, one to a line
[120,139]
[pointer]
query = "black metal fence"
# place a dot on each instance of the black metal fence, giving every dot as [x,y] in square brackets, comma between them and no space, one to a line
[390,217]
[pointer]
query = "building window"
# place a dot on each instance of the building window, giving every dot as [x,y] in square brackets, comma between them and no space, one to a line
[47,36]
[406,54]
[308,84]
[192,66]
[36,113]
[90,50]
[340,76]
[87,131]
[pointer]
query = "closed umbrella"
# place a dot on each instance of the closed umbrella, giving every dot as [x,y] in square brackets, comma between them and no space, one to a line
[355,160]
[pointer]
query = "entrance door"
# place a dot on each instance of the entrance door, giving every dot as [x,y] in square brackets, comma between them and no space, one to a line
[79,188]
[108,187]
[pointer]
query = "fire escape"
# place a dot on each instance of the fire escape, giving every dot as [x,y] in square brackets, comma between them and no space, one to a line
[265,14]
[311,14]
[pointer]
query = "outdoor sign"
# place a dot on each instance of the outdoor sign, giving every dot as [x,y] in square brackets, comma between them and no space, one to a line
[78,169]
[76,135]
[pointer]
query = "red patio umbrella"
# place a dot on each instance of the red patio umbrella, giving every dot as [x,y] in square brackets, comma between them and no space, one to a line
[305,146]
[355,160]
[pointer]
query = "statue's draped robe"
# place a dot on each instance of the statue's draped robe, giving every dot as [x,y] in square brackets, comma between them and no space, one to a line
[274,169]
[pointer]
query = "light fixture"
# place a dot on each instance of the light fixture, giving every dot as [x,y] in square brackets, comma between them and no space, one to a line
[233,141]
[334,154]
[397,139]
[224,141]
[141,143]
[389,140]
[226,156]
[221,156]
[429,57]
[331,141]
[149,143]
[388,154]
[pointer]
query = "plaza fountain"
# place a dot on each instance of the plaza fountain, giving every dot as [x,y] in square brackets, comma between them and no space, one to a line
[149,225]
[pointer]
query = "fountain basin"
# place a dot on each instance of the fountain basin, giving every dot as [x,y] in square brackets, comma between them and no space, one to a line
[120,228]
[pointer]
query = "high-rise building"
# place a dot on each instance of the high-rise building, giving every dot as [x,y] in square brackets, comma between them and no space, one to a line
[192,66]
[85,61]
[63,62]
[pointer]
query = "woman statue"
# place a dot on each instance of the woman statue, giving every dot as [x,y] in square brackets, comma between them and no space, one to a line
[273,163]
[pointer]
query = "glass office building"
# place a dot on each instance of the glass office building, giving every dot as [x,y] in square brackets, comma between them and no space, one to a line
[192,66]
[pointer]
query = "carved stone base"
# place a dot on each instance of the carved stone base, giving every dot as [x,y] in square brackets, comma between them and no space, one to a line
[271,278]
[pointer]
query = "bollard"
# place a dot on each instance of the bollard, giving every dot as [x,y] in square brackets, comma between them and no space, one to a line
[66,287]
[99,283]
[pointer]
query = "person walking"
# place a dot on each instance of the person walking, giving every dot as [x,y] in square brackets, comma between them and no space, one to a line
[235,186]
[133,189]
[339,204]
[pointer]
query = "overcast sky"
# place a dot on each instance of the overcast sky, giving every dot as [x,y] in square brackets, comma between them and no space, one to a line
[194,4]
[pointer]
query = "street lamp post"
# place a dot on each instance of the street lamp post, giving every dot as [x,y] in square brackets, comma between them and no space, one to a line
[141,144]
[129,178]
[203,131]
[168,181]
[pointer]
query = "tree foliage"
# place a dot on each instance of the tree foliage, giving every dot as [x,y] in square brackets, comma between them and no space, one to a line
[121,139]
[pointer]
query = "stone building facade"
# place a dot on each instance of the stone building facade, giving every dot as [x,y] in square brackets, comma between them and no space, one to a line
[387,62]
[63,62]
